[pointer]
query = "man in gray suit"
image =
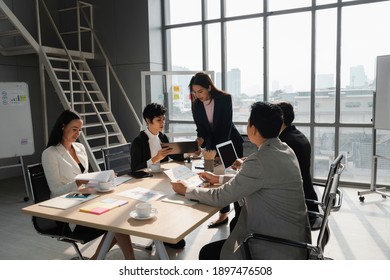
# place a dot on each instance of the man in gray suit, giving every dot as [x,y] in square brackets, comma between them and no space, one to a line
[269,187]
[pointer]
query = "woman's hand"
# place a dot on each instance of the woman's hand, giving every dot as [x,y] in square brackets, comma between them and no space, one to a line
[200,141]
[162,154]
[81,182]
[87,190]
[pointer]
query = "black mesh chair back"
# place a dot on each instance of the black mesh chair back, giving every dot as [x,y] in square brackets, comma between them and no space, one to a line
[118,158]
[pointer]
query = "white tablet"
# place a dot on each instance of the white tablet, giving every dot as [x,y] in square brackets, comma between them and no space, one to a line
[227,153]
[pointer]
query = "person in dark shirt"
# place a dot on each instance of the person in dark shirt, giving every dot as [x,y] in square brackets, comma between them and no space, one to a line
[146,148]
[302,148]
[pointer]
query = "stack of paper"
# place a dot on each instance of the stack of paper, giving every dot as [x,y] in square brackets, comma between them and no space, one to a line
[103,206]
[185,175]
[142,194]
[179,199]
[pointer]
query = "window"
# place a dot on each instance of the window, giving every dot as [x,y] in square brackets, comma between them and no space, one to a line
[319,55]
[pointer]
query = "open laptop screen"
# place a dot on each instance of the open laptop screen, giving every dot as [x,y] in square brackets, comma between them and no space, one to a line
[227,153]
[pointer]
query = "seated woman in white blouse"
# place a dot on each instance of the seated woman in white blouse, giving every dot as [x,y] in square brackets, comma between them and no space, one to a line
[62,160]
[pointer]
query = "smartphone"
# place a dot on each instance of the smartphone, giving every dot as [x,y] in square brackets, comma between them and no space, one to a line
[77,195]
[140,174]
[200,166]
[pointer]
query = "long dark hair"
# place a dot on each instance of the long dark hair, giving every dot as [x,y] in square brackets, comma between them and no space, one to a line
[204,80]
[56,133]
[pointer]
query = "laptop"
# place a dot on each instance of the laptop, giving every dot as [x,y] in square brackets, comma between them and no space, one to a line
[227,154]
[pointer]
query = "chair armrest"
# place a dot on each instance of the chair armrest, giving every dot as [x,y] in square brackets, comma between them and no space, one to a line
[338,200]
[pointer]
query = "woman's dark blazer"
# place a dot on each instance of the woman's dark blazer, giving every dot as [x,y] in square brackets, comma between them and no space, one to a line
[140,151]
[223,128]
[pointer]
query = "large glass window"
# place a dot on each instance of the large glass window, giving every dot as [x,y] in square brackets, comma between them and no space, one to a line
[179,11]
[325,87]
[363,39]
[213,9]
[186,48]
[292,57]
[289,61]
[244,65]
[243,7]
[214,50]
[291,4]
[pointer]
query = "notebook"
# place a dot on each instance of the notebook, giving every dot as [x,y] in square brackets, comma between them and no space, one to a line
[66,201]
[227,154]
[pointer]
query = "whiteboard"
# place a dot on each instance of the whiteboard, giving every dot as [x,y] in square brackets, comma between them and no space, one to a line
[17,137]
[382,96]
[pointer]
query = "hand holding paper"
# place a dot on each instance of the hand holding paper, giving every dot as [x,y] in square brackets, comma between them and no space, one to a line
[99,176]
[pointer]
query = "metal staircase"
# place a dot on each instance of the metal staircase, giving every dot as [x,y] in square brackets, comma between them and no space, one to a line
[72,79]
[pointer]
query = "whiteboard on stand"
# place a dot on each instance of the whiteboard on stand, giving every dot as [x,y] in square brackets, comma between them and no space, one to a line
[17,137]
[382,96]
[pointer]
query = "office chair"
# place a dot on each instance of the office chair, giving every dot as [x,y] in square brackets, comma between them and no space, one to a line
[316,218]
[313,252]
[40,191]
[118,158]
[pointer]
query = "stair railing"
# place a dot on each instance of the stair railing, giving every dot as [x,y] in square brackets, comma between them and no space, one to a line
[76,71]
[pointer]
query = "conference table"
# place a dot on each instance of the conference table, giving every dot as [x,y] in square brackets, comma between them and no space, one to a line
[172,223]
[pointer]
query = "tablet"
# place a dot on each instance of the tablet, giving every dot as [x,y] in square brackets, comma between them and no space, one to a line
[181,147]
[227,153]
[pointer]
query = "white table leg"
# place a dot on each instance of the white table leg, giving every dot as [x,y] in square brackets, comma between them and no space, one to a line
[105,246]
[160,248]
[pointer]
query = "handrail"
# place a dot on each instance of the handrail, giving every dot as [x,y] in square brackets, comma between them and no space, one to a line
[76,70]
[108,64]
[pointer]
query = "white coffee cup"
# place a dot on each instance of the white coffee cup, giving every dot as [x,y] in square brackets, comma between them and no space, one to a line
[155,167]
[104,186]
[143,210]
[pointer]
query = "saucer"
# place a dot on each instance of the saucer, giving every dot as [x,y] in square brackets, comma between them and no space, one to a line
[133,214]
[103,191]
[156,171]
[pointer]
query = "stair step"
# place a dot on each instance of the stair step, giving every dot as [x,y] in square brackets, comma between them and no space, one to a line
[94,113]
[10,33]
[75,81]
[81,91]
[88,125]
[73,71]
[3,17]
[87,102]
[102,135]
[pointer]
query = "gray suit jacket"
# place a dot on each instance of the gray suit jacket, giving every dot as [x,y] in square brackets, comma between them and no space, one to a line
[270,184]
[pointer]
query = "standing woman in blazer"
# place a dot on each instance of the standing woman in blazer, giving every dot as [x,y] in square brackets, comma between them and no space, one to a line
[62,160]
[212,110]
